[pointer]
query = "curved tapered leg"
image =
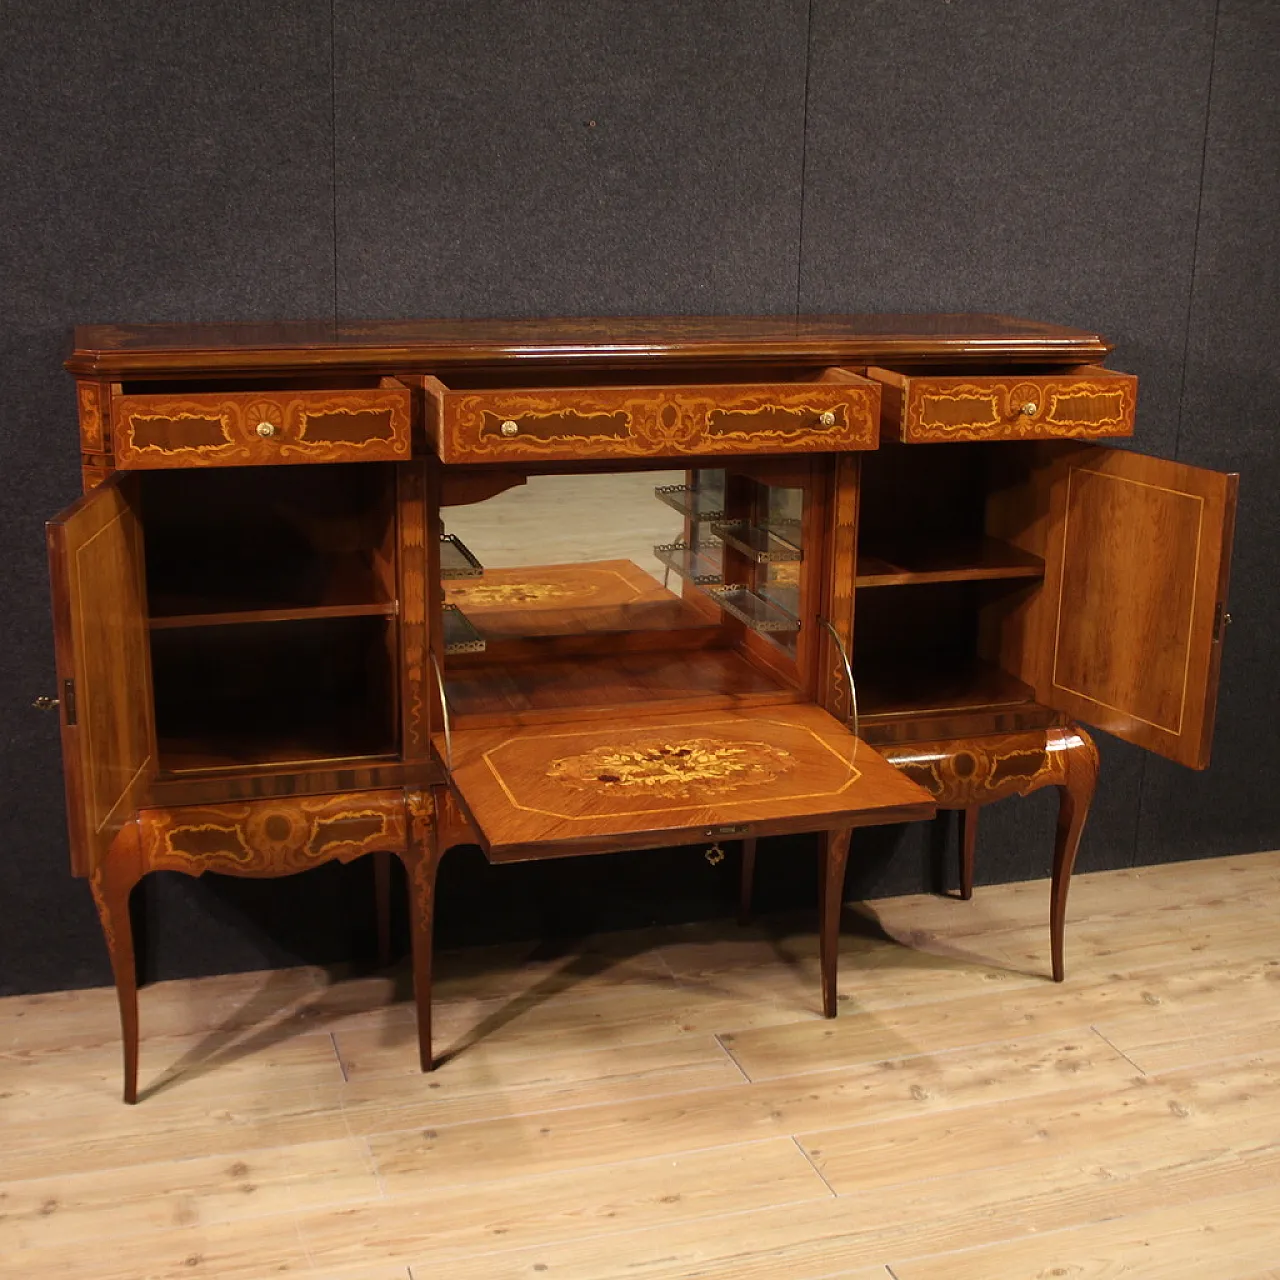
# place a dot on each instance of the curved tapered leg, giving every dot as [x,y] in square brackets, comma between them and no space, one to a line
[1075,796]
[382,904]
[112,882]
[421,857]
[833,858]
[748,880]
[968,843]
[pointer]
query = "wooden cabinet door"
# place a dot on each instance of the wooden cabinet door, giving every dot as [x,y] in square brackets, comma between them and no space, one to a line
[102,647]
[1137,556]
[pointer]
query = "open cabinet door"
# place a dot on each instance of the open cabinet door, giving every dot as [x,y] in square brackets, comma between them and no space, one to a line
[98,577]
[1136,567]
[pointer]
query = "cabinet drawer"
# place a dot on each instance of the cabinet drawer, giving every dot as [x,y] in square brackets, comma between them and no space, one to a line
[821,411]
[258,428]
[1080,402]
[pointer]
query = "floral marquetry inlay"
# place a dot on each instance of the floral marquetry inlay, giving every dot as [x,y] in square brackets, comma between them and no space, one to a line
[687,769]
[498,593]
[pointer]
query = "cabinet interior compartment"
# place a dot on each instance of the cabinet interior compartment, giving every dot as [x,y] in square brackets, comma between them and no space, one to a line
[945,565]
[601,589]
[239,544]
[925,516]
[274,693]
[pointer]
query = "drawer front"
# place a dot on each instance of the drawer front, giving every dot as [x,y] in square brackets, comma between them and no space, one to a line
[257,428]
[273,837]
[652,422]
[1078,404]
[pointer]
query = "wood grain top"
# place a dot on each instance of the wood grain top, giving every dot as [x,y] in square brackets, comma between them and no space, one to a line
[662,780]
[623,340]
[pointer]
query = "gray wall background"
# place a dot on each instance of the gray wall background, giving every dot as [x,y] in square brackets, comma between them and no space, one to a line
[1106,165]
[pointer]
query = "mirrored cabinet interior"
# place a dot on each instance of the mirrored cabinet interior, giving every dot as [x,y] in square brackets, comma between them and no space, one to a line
[561,588]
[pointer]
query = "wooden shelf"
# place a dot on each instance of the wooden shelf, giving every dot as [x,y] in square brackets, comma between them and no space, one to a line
[958,560]
[233,617]
[337,587]
[919,688]
[565,689]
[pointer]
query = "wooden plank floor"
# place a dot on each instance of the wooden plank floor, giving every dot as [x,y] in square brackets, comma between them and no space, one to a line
[669,1104]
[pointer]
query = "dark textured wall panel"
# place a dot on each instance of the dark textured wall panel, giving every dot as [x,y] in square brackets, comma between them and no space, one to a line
[157,161]
[1038,159]
[1231,421]
[568,157]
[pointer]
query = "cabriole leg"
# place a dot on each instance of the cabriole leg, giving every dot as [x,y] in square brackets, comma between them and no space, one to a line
[968,844]
[421,857]
[833,858]
[112,882]
[1075,796]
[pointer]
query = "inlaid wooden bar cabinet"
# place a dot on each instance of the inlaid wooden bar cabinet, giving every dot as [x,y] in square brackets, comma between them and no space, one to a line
[564,587]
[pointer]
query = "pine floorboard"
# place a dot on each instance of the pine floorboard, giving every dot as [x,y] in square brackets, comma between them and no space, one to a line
[668,1103]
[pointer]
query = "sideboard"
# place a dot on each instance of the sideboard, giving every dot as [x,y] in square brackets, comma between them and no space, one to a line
[565,587]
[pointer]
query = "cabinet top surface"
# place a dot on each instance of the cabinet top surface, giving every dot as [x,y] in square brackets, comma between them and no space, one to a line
[293,344]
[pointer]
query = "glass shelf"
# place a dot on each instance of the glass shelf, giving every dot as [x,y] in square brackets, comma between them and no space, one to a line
[460,636]
[786,595]
[456,561]
[705,503]
[759,614]
[694,565]
[761,543]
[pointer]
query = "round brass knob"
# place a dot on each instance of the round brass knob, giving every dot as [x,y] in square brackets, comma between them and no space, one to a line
[1030,409]
[828,418]
[510,428]
[266,430]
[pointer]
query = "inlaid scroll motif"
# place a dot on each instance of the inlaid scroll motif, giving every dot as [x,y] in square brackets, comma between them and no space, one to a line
[971,771]
[687,769]
[105,918]
[92,433]
[272,837]
[241,428]
[1019,409]
[622,422]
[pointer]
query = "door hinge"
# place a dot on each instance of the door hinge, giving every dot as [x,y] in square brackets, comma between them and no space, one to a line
[69,701]
[1221,621]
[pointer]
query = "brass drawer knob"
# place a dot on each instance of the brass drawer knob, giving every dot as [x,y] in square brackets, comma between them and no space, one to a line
[828,418]
[266,430]
[45,703]
[1030,409]
[510,428]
